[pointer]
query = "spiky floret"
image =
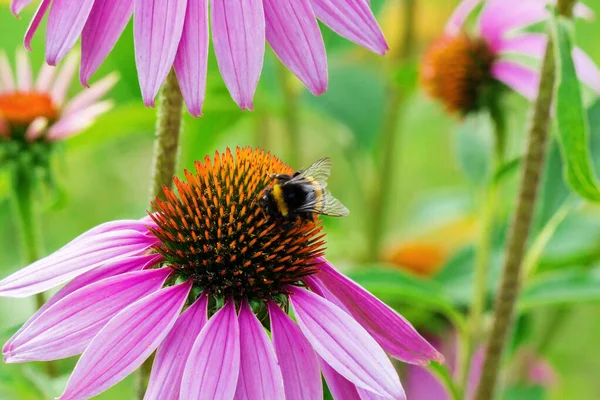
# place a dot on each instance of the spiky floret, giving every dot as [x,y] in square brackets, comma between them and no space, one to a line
[455,70]
[214,232]
[22,108]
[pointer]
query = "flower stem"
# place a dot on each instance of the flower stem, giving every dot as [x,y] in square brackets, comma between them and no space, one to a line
[482,257]
[521,224]
[166,152]
[166,143]
[390,137]
[291,116]
[22,181]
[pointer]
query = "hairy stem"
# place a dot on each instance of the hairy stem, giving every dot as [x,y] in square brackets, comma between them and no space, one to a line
[166,143]
[521,224]
[390,137]
[23,190]
[166,152]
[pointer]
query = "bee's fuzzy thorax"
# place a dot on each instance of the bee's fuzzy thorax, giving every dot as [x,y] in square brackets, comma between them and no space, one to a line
[215,232]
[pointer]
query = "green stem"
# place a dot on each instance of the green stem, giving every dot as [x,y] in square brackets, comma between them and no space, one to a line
[482,257]
[521,224]
[23,189]
[166,152]
[291,116]
[390,138]
[166,143]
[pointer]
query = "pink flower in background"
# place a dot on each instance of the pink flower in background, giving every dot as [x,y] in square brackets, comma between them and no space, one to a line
[461,67]
[39,110]
[175,33]
[199,281]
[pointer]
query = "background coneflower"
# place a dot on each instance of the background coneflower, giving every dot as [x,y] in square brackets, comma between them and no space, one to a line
[212,247]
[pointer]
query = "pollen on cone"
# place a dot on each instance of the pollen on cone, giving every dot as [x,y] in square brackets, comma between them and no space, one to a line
[23,108]
[214,232]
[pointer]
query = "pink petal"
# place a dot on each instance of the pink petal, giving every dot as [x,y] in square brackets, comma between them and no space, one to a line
[106,22]
[587,70]
[76,122]
[90,96]
[67,328]
[293,33]
[45,77]
[72,261]
[172,354]
[297,359]
[24,79]
[582,11]
[520,78]
[7,84]
[114,268]
[460,15]
[345,345]
[192,56]
[530,44]
[238,31]
[35,23]
[63,80]
[16,6]
[140,226]
[340,387]
[157,25]
[36,128]
[125,342]
[394,333]
[65,23]
[213,366]
[260,377]
[354,20]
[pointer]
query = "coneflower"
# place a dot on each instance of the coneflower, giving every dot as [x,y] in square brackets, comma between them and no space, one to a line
[202,280]
[175,33]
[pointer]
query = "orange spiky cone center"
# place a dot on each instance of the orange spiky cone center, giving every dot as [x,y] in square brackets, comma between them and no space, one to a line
[214,232]
[21,108]
[455,69]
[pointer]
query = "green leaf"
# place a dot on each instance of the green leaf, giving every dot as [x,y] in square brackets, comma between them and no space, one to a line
[573,130]
[522,392]
[562,287]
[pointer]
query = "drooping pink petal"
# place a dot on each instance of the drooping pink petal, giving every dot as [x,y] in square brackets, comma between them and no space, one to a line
[420,384]
[45,77]
[530,44]
[36,128]
[140,226]
[587,70]
[125,342]
[90,96]
[7,84]
[354,20]
[293,33]
[297,359]
[24,78]
[520,78]
[72,261]
[460,15]
[345,345]
[394,333]
[157,28]
[67,328]
[63,80]
[191,62]
[260,377]
[172,354]
[120,266]
[238,32]
[16,6]
[35,23]
[106,22]
[340,387]
[213,366]
[582,11]
[65,23]
[78,121]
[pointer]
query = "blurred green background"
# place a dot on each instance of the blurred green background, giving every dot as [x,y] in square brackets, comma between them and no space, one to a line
[423,261]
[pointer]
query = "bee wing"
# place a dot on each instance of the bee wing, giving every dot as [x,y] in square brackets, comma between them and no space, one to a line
[319,171]
[327,205]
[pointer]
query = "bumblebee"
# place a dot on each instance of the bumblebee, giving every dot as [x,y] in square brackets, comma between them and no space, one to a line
[303,194]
